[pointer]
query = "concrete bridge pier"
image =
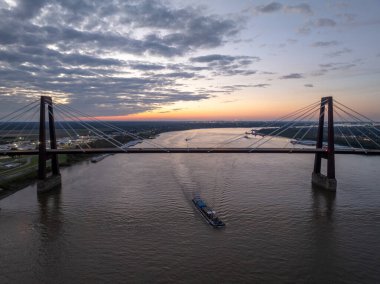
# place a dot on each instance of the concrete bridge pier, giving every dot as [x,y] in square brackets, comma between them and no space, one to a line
[327,181]
[46,183]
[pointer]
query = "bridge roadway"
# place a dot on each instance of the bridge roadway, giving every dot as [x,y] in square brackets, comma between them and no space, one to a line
[192,150]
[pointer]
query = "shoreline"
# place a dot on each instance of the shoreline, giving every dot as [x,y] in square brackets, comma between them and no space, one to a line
[28,176]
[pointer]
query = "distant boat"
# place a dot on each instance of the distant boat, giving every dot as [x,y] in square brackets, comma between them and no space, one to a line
[131,143]
[303,142]
[98,158]
[207,213]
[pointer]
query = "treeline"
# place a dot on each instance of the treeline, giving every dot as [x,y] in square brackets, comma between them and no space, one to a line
[367,137]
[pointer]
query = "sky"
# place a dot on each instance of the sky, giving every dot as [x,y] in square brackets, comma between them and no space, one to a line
[190,60]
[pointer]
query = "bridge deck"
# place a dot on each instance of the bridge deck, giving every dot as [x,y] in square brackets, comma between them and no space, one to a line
[192,150]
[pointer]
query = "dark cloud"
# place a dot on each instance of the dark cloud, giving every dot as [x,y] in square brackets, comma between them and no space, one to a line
[337,66]
[180,75]
[338,5]
[318,23]
[269,8]
[325,22]
[302,8]
[292,76]
[226,65]
[325,43]
[27,9]
[219,59]
[232,88]
[70,49]
[228,89]
[291,41]
[260,85]
[213,58]
[146,66]
[334,66]
[339,52]
[348,18]
[309,85]
[272,7]
[175,31]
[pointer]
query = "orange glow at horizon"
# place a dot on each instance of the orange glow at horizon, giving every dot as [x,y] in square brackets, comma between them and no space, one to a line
[202,114]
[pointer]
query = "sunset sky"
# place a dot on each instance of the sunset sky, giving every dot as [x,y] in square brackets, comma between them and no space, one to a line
[193,60]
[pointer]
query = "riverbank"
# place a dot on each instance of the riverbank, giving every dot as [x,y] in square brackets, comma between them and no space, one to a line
[17,178]
[26,175]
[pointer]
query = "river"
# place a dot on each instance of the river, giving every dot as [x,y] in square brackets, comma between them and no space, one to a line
[129,219]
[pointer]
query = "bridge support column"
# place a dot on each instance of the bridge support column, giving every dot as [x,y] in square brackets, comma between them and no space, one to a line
[327,181]
[47,183]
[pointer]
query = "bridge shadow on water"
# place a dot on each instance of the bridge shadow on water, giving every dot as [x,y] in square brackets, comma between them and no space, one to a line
[323,235]
[323,202]
[50,217]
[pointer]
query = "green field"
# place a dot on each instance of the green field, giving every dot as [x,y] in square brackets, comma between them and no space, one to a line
[24,173]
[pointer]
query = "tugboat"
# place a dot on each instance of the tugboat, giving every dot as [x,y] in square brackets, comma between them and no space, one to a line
[207,213]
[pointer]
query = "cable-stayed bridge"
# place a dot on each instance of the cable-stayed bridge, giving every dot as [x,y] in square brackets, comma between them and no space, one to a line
[60,129]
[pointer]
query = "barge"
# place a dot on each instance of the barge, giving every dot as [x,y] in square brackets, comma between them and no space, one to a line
[99,158]
[207,213]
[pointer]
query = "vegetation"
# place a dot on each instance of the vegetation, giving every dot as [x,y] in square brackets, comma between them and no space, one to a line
[357,137]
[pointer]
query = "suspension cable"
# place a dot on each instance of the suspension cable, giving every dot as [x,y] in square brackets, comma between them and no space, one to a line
[15,123]
[97,132]
[123,131]
[67,132]
[20,109]
[285,127]
[277,134]
[299,131]
[352,134]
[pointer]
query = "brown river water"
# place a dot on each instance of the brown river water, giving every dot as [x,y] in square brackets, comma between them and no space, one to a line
[130,219]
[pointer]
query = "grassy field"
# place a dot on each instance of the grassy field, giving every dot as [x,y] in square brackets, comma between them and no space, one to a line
[24,174]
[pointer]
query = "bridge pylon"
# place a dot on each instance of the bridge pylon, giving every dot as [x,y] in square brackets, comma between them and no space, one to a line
[46,183]
[327,181]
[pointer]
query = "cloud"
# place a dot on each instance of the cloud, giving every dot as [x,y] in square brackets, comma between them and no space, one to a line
[213,57]
[273,7]
[333,66]
[325,22]
[302,8]
[318,23]
[269,8]
[325,43]
[179,75]
[260,85]
[174,31]
[339,5]
[73,50]
[225,59]
[146,66]
[292,76]
[228,89]
[339,52]
[348,18]
[27,9]
[309,85]
[233,88]
[226,65]
[337,65]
